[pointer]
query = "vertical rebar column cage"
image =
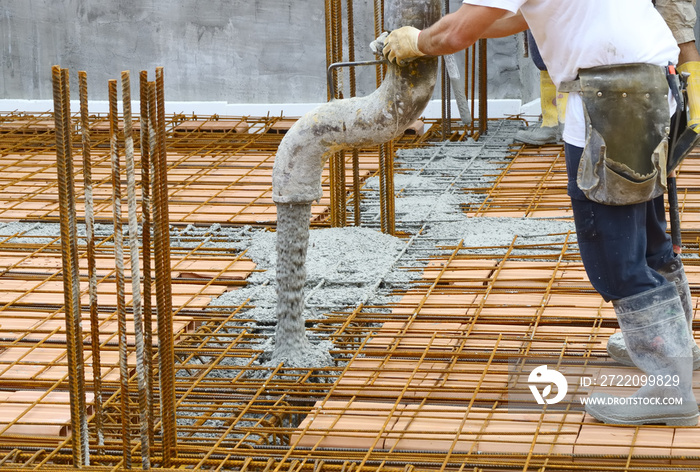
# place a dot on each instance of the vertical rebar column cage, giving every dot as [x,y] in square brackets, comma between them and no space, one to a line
[475,90]
[339,20]
[340,43]
[153,182]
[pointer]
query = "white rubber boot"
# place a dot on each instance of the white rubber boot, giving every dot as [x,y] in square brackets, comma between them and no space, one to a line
[548,132]
[656,334]
[538,135]
[673,272]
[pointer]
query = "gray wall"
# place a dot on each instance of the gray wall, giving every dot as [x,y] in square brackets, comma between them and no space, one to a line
[239,51]
[234,50]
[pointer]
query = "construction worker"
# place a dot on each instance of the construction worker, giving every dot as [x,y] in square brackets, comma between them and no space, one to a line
[616,138]
[552,105]
[680,17]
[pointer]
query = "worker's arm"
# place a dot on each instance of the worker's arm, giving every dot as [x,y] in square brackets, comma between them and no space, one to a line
[506,27]
[689,53]
[452,33]
[458,30]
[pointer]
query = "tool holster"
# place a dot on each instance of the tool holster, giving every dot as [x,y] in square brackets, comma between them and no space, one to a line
[627,129]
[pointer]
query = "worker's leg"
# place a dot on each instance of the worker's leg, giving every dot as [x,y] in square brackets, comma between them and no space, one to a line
[548,131]
[654,329]
[661,258]
[660,255]
[612,241]
[614,247]
[659,246]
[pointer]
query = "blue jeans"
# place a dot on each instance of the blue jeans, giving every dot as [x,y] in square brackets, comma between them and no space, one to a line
[621,246]
[535,52]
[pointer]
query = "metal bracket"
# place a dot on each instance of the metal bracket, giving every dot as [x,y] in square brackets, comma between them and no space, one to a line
[337,65]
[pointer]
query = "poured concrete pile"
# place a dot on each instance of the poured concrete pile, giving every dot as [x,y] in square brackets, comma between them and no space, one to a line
[345,266]
[349,267]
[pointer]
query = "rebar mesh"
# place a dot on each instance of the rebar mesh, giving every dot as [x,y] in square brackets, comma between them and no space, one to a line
[420,382]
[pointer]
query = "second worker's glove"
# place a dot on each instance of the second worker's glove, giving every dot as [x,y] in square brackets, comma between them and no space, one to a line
[401,45]
[377,46]
[693,68]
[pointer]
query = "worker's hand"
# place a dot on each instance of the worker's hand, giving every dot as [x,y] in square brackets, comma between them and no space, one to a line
[401,46]
[378,44]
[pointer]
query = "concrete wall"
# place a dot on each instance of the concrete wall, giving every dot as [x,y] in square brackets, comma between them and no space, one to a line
[238,51]
[234,50]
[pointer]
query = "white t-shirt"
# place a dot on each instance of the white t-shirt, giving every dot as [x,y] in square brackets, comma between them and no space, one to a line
[577,34]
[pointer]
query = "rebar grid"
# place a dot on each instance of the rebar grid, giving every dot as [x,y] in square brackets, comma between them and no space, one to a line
[534,184]
[422,387]
[404,391]
[219,170]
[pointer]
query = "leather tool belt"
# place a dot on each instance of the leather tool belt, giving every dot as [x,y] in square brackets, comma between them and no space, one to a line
[627,128]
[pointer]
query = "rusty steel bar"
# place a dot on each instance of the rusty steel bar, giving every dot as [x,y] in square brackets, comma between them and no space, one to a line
[333,179]
[119,275]
[337,40]
[382,189]
[356,184]
[446,91]
[71,280]
[483,88]
[351,46]
[390,194]
[75,272]
[90,251]
[391,197]
[337,161]
[338,194]
[145,146]
[329,43]
[378,28]
[163,280]
[356,187]
[135,267]
[386,188]
[385,193]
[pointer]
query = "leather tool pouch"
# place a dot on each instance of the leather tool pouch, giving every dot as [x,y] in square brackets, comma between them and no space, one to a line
[627,128]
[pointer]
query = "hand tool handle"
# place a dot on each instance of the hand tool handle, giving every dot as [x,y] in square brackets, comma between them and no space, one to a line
[674,215]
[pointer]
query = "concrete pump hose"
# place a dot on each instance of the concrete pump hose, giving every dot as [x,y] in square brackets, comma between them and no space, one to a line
[356,122]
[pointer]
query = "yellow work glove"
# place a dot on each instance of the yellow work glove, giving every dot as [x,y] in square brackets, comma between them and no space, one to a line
[548,100]
[693,68]
[401,45]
